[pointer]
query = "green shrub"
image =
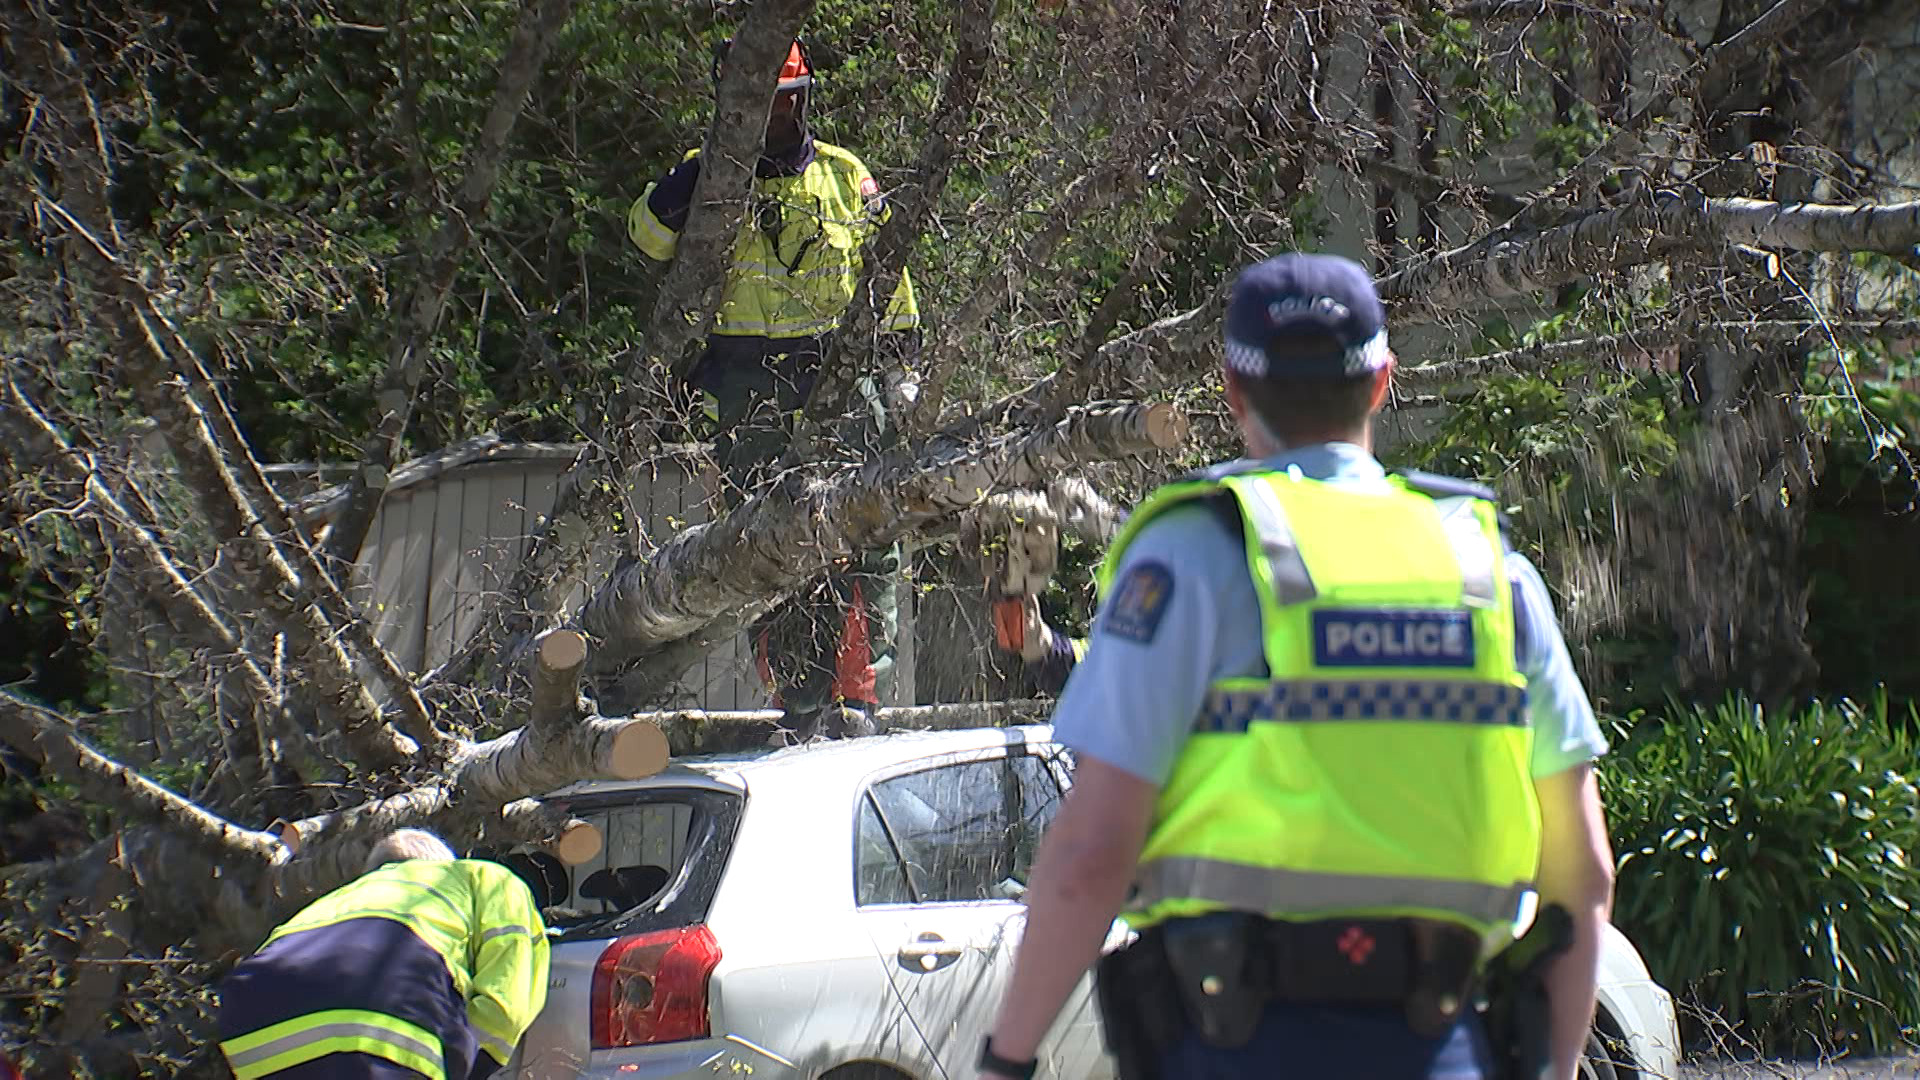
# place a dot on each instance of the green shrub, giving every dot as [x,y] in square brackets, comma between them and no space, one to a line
[1765,868]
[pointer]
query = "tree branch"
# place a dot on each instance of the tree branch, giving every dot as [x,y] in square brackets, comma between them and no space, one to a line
[43,446]
[701,731]
[910,210]
[1501,265]
[559,657]
[169,381]
[483,778]
[1428,377]
[49,738]
[781,536]
[539,21]
[559,833]
[1725,56]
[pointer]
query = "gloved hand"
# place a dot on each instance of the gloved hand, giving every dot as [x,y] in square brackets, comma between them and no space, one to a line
[1018,627]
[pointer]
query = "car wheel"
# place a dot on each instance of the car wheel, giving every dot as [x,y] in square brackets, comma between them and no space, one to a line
[1597,1062]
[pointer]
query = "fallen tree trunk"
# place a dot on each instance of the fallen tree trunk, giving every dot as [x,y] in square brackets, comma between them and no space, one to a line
[698,731]
[782,536]
[1501,266]
[1545,354]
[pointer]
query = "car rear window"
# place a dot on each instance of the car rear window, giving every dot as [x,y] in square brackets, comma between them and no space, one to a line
[661,855]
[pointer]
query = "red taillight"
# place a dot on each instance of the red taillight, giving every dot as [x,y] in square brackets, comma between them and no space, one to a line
[652,988]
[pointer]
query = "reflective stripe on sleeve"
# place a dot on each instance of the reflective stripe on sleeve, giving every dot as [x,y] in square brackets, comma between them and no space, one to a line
[497,1048]
[502,931]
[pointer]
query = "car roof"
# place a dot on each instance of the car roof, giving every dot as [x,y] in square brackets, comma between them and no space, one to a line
[821,760]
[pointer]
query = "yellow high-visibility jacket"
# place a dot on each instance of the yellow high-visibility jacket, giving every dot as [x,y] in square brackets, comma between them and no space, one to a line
[797,257]
[1381,768]
[478,917]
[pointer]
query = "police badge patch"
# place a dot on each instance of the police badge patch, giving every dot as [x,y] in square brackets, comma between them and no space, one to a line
[1139,603]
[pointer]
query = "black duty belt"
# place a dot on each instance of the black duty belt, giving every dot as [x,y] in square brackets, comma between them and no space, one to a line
[1426,966]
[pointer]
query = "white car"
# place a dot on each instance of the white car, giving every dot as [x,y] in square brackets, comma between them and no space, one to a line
[844,909]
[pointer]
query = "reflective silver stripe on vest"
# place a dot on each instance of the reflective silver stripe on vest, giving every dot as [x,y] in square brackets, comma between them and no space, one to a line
[1473,550]
[1412,700]
[1292,584]
[1300,892]
[502,931]
[344,1030]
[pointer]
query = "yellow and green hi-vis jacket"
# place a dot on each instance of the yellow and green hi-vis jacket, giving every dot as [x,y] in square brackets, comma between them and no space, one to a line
[1381,769]
[798,254]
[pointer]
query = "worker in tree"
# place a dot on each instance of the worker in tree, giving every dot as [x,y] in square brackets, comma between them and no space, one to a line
[424,966]
[795,266]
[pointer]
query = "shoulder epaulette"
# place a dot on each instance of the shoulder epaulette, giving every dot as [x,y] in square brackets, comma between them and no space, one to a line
[1436,486]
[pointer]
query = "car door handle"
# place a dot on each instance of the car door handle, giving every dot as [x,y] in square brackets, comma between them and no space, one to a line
[930,953]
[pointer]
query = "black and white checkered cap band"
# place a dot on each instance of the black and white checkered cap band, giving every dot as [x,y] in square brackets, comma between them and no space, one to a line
[1251,360]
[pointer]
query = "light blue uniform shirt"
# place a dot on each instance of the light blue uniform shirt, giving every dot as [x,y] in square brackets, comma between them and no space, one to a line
[1131,702]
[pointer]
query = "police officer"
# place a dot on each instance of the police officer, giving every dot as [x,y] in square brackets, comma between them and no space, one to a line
[1331,749]
[796,262]
[425,966]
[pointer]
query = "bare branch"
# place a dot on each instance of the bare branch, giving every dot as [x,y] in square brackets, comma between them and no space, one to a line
[186,607]
[50,739]
[484,777]
[698,731]
[168,380]
[1726,56]
[912,207]
[1546,354]
[1439,188]
[540,20]
[1500,265]
[1168,352]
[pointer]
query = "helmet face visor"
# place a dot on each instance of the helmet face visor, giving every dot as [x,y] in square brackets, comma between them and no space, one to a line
[787,119]
[796,72]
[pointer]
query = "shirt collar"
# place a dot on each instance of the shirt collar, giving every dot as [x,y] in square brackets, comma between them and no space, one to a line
[1336,462]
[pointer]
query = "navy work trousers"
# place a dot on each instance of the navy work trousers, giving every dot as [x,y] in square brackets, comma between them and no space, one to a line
[834,640]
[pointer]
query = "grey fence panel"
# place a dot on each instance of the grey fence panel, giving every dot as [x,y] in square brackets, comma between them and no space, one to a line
[441,548]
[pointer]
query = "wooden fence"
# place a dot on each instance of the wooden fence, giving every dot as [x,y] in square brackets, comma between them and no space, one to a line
[448,539]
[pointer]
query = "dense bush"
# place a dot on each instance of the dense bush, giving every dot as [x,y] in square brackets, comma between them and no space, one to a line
[1766,867]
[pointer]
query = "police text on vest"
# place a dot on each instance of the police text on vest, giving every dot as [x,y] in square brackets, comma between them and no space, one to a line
[1345,637]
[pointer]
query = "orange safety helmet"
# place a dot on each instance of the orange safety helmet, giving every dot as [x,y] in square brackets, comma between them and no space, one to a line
[795,74]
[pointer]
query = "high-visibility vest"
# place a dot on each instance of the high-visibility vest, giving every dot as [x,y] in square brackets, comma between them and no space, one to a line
[797,256]
[482,921]
[1381,768]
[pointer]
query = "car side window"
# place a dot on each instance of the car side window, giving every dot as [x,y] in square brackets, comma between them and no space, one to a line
[879,876]
[969,831]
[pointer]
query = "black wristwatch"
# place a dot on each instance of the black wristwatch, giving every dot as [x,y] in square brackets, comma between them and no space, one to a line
[999,1066]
